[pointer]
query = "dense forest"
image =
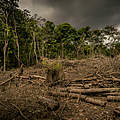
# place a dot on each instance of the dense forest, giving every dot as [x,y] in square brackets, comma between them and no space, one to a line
[26,39]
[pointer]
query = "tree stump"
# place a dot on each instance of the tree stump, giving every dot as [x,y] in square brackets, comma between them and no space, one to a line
[55,73]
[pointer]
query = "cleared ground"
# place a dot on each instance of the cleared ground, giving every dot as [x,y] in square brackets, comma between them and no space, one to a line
[80,96]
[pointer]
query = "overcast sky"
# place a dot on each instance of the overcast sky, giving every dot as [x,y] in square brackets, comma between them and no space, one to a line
[95,13]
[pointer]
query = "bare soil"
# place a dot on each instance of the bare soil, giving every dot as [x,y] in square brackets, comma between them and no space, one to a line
[20,96]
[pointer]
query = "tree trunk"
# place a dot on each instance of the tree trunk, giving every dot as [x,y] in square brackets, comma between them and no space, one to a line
[35,48]
[6,42]
[113,98]
[117,110]
[89,91]
[38,46]
[62,50]
[111,94]
[17,43]
[54,75]
[77,53]
[94,90]
[18,53]
[5,49]
[30,53]
[80,97]
[43,48]
[76,85]
[88,99]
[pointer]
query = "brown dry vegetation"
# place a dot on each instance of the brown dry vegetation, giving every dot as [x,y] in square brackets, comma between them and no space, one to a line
[30,96]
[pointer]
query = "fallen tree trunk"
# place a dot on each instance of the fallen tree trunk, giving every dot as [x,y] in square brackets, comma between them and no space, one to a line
[93,90]
[112,79]
[111,94]
[50,104]
[32,77]
[88,99]
[84,79]
[37,76]
[5,82]
[80,97]
[88,91]
[76,85]
[22,77]
[117,110]
[113,98]
[115,79]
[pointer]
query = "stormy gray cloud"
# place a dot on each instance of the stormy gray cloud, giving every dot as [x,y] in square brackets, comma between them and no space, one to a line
[96,13]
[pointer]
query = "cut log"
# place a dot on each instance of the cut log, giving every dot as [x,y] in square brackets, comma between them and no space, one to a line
[5,82]
[113,98]
[37,76]
[31,77]
[84,79]
[50,104]
[80,97]
[88,99]
[76,85]
[111,94]
[112,79]
[95,101]
[93,90]
[117,110]
[23,77]
[88,91]
[115,79]
[63,89]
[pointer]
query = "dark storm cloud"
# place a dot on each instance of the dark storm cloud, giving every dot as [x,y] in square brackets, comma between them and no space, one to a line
[95,13]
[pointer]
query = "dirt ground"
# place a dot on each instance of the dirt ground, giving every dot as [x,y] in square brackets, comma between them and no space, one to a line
[20,95]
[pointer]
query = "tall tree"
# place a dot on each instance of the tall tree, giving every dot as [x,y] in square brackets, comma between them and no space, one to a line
[113,36]
[64,35]
[48,45]
[85,35]
[6,8]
